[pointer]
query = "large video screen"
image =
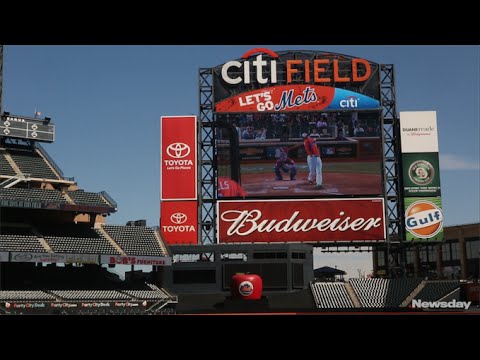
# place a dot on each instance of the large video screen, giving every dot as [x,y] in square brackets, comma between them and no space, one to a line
[299,154]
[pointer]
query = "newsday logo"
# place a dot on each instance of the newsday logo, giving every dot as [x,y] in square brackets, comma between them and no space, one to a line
[454,304]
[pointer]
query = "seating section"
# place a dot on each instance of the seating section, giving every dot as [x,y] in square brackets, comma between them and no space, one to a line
[5,168]
[135,240]
[147,294]
[81,245]
[399,289]
[42,195]
[435,290]
[30,162]
[90,295]
[370,292]
[20,243]
[331,295]
[76,239]
[25,295]
[81,197]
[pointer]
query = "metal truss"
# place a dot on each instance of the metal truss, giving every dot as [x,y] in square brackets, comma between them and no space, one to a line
[207,165]
[1,79]
[392,164]
[393,174]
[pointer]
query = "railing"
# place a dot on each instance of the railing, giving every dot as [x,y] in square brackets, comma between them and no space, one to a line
[52,162]
[109,198]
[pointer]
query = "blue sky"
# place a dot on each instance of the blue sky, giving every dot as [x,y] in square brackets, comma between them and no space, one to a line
[106,102]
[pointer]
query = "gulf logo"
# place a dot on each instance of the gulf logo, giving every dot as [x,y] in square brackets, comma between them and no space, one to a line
[424,219]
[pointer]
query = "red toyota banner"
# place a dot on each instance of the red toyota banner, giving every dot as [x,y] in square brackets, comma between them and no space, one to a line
[179,222]
[178,158]
[307,220]
[279,98]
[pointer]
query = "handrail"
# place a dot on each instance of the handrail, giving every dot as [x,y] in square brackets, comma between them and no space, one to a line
[108,198]
[52,162]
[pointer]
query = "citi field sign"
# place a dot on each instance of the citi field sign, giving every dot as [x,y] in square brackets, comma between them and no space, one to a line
[295,81]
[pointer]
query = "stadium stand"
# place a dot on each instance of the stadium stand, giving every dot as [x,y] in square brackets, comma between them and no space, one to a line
[30,162]
[135,240]
[25,295]
[90,295]
[436,290]
[81,197]
[5,167]
[399,289]
[329,295]
[51,215]
[147,294]
[81,245]
[43,195]
[21,243]
[371,292]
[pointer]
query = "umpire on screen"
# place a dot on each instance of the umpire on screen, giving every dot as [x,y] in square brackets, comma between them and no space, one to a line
[285,164]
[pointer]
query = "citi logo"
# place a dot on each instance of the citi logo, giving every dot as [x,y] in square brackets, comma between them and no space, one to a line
[454,304]
[258,64]
[424,219]
[178,150]
[349,102]
[178,218]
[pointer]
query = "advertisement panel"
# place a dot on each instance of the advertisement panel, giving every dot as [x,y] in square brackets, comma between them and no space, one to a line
[424,219]
[296,98]
[54,258]
[418,131]
[421,174]
[295,124]
[136,260]
[3,256]
[305,220]
[272,153]
[178,158]
[179,222]
[324,72]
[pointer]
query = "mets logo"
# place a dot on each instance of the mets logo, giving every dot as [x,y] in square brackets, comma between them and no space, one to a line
[178,150]
[245,288]
[421,172]
[424,219]
[178,218]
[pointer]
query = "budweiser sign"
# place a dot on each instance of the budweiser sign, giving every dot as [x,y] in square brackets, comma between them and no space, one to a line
[310,220]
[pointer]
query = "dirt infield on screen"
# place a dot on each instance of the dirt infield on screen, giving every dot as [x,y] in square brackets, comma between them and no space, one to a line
[348,178]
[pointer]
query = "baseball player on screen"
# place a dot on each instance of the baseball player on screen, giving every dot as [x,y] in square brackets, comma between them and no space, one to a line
[313,160]
[229,188]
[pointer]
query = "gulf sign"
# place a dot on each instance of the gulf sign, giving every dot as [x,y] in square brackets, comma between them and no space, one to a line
[178,158]
[179,222]
[296,98]
[424,219]
[304,220]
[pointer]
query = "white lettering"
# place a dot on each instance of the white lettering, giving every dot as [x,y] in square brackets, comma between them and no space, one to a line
[454,304]
[225,75]
[178,162]
[258,64]
[178,228]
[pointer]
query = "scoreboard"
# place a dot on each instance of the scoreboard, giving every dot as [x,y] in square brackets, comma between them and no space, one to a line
[22,127]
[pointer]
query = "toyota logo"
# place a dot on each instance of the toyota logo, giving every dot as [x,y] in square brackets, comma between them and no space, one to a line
[178,150]
[178,218]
